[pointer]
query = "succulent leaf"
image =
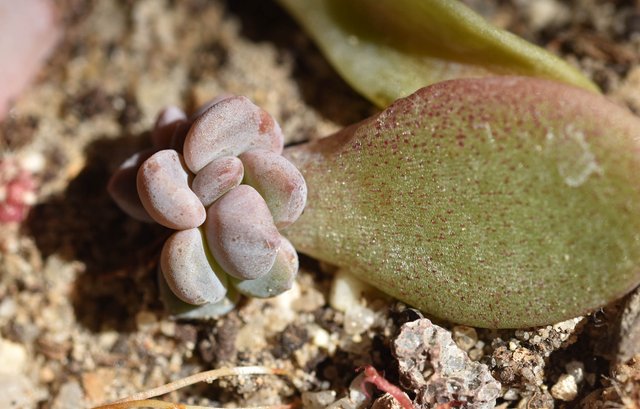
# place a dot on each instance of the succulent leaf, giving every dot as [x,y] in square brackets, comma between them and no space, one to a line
[190,270]
[388,49]
[166,123]
[278,182]
[182,310]
[278,280]
[122,186]
[163,186]
[495,202]
[241,234]
[217,178]
[228,128]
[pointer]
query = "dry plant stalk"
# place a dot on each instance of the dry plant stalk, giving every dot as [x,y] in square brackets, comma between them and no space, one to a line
[143,399]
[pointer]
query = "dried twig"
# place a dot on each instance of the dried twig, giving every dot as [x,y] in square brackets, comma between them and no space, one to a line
[143,399]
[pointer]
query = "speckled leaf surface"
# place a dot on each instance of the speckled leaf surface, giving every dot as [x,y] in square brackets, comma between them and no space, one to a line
[388,49]
[497,202]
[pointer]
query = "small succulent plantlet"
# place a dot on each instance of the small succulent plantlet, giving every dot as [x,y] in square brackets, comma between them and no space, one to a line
[495,202]
[219,180]
[492,202]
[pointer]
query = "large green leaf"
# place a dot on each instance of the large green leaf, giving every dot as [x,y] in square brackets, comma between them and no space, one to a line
[388,49]
[496,202]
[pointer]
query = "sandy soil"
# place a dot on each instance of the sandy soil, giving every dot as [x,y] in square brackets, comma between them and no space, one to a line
[80,320]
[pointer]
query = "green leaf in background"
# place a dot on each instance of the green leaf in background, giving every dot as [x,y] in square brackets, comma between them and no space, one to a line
[495,202]
[388,49]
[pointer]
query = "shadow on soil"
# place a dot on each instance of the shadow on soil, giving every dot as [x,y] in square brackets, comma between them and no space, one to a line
[119,253]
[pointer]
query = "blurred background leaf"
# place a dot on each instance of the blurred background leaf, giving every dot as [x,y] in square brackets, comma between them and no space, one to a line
[389,49]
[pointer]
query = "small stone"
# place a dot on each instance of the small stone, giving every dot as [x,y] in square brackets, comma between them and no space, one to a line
[576,369]
[241,234]
[17,391]
[96,384]
[511,394]
[629,329]
[70,396]
[465,337]
[321,338]
[13,357]
[358,319]
[565,389]
[168,328]
[453,376]
[217,178]
[359,395]
[347,291]
[318,400]
[145,320]
[163,186]
[386,401]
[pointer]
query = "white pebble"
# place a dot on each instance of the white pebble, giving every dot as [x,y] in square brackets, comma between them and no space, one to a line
[13,357]
[346,291]
[565,389]
[358,319]
[318,400]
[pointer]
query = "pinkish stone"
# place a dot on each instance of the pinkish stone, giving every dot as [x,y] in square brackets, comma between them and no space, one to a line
[17,191]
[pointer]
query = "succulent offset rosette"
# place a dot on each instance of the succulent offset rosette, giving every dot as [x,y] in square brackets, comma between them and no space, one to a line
[220,181]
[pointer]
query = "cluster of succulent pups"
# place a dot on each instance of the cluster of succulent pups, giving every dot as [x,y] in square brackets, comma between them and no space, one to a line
[219,180]
[491,201]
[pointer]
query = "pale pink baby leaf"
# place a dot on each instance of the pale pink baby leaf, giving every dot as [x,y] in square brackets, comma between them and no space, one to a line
[278,280]
[241,233]
[279,182]
[217,178]
[166,124]
[189,269]
[228,128]
[163,186]
[122,186]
